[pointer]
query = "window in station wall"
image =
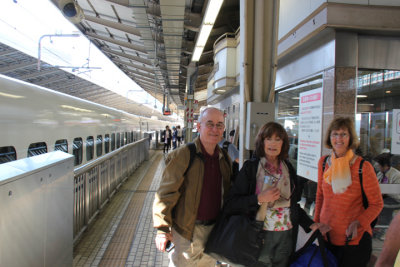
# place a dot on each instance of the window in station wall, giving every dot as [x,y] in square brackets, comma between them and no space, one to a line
[287,111]
[378,94]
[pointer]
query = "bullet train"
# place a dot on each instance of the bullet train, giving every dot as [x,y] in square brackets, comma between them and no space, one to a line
[35,120]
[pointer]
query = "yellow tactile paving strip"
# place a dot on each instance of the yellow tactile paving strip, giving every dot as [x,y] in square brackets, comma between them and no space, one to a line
[108,239]
[119,247]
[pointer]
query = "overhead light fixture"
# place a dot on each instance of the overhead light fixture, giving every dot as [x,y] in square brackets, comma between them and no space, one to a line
[212,11]
[388,92]
[362,96]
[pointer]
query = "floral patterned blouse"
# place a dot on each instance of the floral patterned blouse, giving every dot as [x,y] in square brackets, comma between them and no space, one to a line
[277,219]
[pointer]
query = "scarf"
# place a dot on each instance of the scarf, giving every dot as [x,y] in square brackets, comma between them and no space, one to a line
[281,181]
[338,174]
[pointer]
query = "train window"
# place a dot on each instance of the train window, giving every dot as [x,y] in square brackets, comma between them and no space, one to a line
[113,142]
[132,139]
[122,139]
[127,138]
[89,148]
[118,140]
[99,145]
[61,145]
[7,154]
[106,143]
[37,149]
[77,150]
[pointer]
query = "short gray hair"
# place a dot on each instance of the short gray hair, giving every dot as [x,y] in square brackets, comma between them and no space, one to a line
[203,109]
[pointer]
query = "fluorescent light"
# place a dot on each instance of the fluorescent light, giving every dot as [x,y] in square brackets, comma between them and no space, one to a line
[362,96]
[197,53]
[388,92]
[212,11]
[203,36]
[11,95]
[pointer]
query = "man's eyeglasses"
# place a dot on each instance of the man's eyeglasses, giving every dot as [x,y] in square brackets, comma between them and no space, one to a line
[337,135]
[211,125]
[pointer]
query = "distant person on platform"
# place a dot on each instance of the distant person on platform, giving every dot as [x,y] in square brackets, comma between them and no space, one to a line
[179,135]
[174,137]
[188,201]
[167,135]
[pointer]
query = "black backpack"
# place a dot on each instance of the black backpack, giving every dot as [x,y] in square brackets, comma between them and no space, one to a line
[360,175]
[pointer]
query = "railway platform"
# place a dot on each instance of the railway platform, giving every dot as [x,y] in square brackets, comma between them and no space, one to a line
[123,235]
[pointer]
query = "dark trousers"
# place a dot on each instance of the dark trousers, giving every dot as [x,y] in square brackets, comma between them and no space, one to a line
[354,255]
[167,145]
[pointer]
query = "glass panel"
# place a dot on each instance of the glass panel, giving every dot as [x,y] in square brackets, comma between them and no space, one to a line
[378,93]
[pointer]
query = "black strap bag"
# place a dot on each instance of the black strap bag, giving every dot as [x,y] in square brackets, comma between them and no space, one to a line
[235,239]
[311,255]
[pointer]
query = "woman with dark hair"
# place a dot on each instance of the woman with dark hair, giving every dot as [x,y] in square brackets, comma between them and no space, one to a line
[339,201]
[266,188]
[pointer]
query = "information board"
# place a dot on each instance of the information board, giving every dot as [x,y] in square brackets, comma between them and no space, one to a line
[310,133]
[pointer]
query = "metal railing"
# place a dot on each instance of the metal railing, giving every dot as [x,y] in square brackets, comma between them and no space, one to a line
[97,181]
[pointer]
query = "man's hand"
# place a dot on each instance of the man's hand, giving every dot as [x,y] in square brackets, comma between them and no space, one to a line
[162,240]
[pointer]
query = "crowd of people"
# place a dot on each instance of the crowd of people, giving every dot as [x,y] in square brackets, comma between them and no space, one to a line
[193,195]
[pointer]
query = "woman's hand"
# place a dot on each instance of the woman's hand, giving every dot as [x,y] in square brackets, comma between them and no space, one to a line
[269,195]
[351,231]
[162,240]
[322,227]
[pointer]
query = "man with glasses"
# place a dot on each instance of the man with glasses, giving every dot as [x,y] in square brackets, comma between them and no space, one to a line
[190,198]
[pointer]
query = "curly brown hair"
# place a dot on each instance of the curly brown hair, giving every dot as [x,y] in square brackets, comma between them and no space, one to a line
[268,130]
[342,123]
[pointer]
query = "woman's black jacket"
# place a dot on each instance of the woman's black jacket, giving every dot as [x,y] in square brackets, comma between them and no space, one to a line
[242,198]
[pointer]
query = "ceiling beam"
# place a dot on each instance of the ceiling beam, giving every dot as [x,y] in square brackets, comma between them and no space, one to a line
[126,44]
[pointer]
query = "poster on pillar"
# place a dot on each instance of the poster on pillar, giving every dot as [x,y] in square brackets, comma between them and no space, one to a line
[310,133]
[396,132]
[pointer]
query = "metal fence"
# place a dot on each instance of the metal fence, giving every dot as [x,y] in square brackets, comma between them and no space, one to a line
[97,181]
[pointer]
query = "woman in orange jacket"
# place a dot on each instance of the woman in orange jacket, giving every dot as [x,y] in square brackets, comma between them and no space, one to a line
[339,202]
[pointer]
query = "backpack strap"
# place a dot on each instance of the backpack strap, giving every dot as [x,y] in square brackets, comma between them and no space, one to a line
[226,145]
[324,163]
[360,174]
[192,149]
